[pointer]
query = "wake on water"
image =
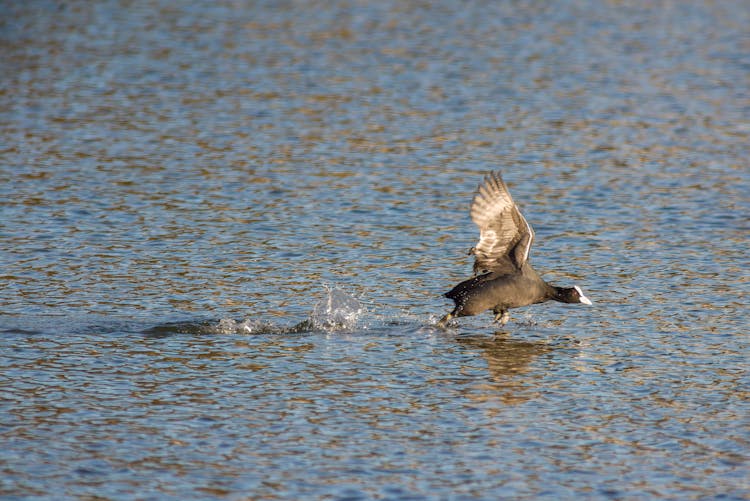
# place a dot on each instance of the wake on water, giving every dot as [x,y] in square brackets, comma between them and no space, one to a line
[337,311]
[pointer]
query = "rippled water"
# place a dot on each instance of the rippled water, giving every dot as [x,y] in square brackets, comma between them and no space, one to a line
[226,229]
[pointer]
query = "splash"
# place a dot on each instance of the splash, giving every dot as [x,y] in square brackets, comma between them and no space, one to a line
[337,311]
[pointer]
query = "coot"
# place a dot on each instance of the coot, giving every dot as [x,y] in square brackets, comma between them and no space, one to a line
[503,276]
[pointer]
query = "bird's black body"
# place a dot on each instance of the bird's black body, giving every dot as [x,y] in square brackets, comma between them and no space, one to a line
[494,291]
[504,277]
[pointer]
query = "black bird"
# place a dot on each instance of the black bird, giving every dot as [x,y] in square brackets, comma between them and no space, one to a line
[503,276]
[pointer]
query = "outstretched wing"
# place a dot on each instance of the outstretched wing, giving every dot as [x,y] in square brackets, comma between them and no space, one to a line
[504,235]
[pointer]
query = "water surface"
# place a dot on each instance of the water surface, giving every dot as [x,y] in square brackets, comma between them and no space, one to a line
[226,229]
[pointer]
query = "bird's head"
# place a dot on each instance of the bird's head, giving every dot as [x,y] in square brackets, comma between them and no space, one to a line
[571,295]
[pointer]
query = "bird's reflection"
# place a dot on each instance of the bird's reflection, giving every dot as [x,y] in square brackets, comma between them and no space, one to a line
[509,365]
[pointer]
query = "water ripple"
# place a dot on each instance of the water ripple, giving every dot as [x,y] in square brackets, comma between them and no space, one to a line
[180,183]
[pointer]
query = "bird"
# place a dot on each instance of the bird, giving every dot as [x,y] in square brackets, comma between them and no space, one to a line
[503,275]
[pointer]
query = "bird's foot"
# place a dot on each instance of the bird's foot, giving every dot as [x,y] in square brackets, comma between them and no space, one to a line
[502,317]
[443,322]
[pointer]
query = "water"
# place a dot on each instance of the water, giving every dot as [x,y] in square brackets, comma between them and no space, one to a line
[226,229]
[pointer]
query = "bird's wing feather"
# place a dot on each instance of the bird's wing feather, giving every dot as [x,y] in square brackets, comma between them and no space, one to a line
[505,237]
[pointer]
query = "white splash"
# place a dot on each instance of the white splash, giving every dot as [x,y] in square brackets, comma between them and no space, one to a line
[338,310]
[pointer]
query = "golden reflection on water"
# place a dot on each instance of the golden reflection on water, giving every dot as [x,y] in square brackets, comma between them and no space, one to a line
[509,363]
[227,160]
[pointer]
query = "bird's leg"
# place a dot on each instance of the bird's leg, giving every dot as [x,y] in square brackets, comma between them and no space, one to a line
[505,317]
[501,316]
[444,321]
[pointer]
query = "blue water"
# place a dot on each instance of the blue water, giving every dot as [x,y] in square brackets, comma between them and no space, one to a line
[226,229]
